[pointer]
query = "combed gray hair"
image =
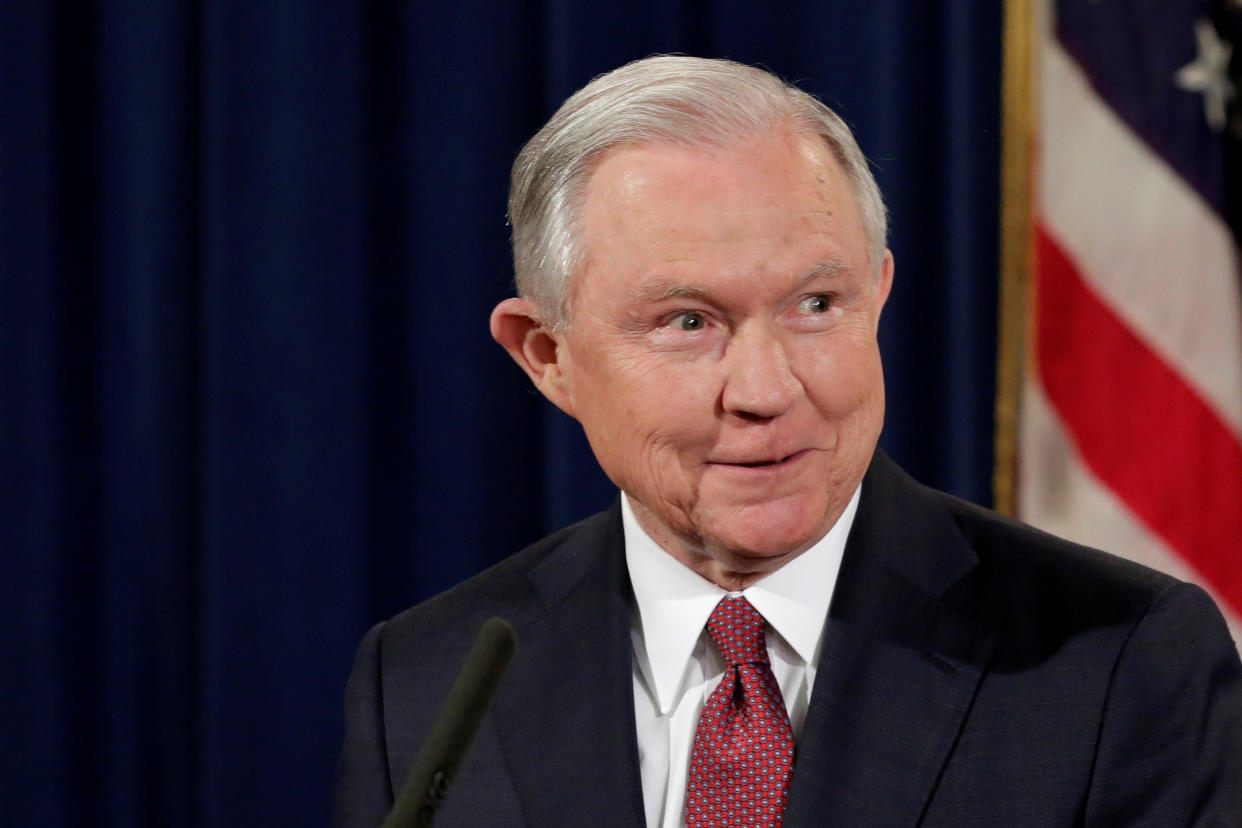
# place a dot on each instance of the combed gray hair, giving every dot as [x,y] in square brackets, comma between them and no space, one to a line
[681,101]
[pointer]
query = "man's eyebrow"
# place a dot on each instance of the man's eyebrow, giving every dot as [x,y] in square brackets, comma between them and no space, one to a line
[832,268]
[658,289]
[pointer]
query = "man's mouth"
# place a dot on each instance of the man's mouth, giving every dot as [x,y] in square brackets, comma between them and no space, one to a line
[759,464]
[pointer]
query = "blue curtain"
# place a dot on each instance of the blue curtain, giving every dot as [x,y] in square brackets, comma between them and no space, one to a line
[248,401]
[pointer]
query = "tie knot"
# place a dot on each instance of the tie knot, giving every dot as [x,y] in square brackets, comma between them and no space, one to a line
[737,629]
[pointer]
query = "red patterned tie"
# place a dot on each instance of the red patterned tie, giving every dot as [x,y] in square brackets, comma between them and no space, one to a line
[743,754]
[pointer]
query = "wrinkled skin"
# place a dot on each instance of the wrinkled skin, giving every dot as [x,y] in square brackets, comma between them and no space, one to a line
[721,352]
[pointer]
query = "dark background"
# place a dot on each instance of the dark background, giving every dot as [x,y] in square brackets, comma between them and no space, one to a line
[248,401]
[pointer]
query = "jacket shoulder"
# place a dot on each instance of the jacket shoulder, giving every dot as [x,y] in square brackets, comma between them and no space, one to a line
[1005,542]
[505,589]
[1041,591]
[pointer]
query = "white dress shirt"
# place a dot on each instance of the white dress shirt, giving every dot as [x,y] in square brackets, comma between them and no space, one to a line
[676,666]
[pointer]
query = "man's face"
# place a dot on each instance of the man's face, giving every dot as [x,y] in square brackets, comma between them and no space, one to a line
[721,353]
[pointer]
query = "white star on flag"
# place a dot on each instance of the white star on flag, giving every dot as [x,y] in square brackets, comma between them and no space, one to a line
[1209,73]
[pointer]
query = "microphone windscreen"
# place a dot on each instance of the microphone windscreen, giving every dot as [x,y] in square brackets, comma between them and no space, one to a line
[442,752]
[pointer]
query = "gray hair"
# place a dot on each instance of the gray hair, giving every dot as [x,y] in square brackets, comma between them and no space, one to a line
[680,101]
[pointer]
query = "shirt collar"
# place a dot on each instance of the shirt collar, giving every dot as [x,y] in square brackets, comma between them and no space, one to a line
[674,602]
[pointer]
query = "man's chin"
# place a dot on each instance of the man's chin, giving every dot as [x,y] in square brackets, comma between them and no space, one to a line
[750,554]
[765,534]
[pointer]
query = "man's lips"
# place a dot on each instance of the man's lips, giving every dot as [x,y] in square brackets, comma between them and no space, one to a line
[759,463]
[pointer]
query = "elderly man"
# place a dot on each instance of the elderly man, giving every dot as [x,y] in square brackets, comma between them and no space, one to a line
[774,624]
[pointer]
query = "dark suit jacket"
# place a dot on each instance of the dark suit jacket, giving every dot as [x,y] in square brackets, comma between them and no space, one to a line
[974,672]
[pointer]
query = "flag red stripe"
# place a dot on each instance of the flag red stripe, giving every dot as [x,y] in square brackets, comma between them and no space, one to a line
[1138,426]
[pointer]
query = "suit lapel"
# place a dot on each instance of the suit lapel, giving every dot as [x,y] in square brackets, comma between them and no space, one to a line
[897,669]
[566,719]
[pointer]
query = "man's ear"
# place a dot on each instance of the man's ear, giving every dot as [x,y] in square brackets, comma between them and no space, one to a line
[883,284]
[540,351]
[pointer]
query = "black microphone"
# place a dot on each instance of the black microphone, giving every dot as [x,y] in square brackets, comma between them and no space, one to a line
[427,783]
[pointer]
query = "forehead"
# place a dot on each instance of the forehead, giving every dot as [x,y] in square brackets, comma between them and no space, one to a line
[779,202]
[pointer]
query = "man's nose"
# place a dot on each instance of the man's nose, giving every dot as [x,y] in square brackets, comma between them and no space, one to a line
[759,380]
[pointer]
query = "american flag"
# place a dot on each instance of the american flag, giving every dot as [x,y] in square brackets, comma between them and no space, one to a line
[1131,419]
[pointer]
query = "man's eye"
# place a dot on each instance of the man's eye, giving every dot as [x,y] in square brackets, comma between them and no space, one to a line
[691,321]
[819,303]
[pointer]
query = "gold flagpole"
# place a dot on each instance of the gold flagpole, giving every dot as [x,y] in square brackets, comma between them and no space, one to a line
[1016,208]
